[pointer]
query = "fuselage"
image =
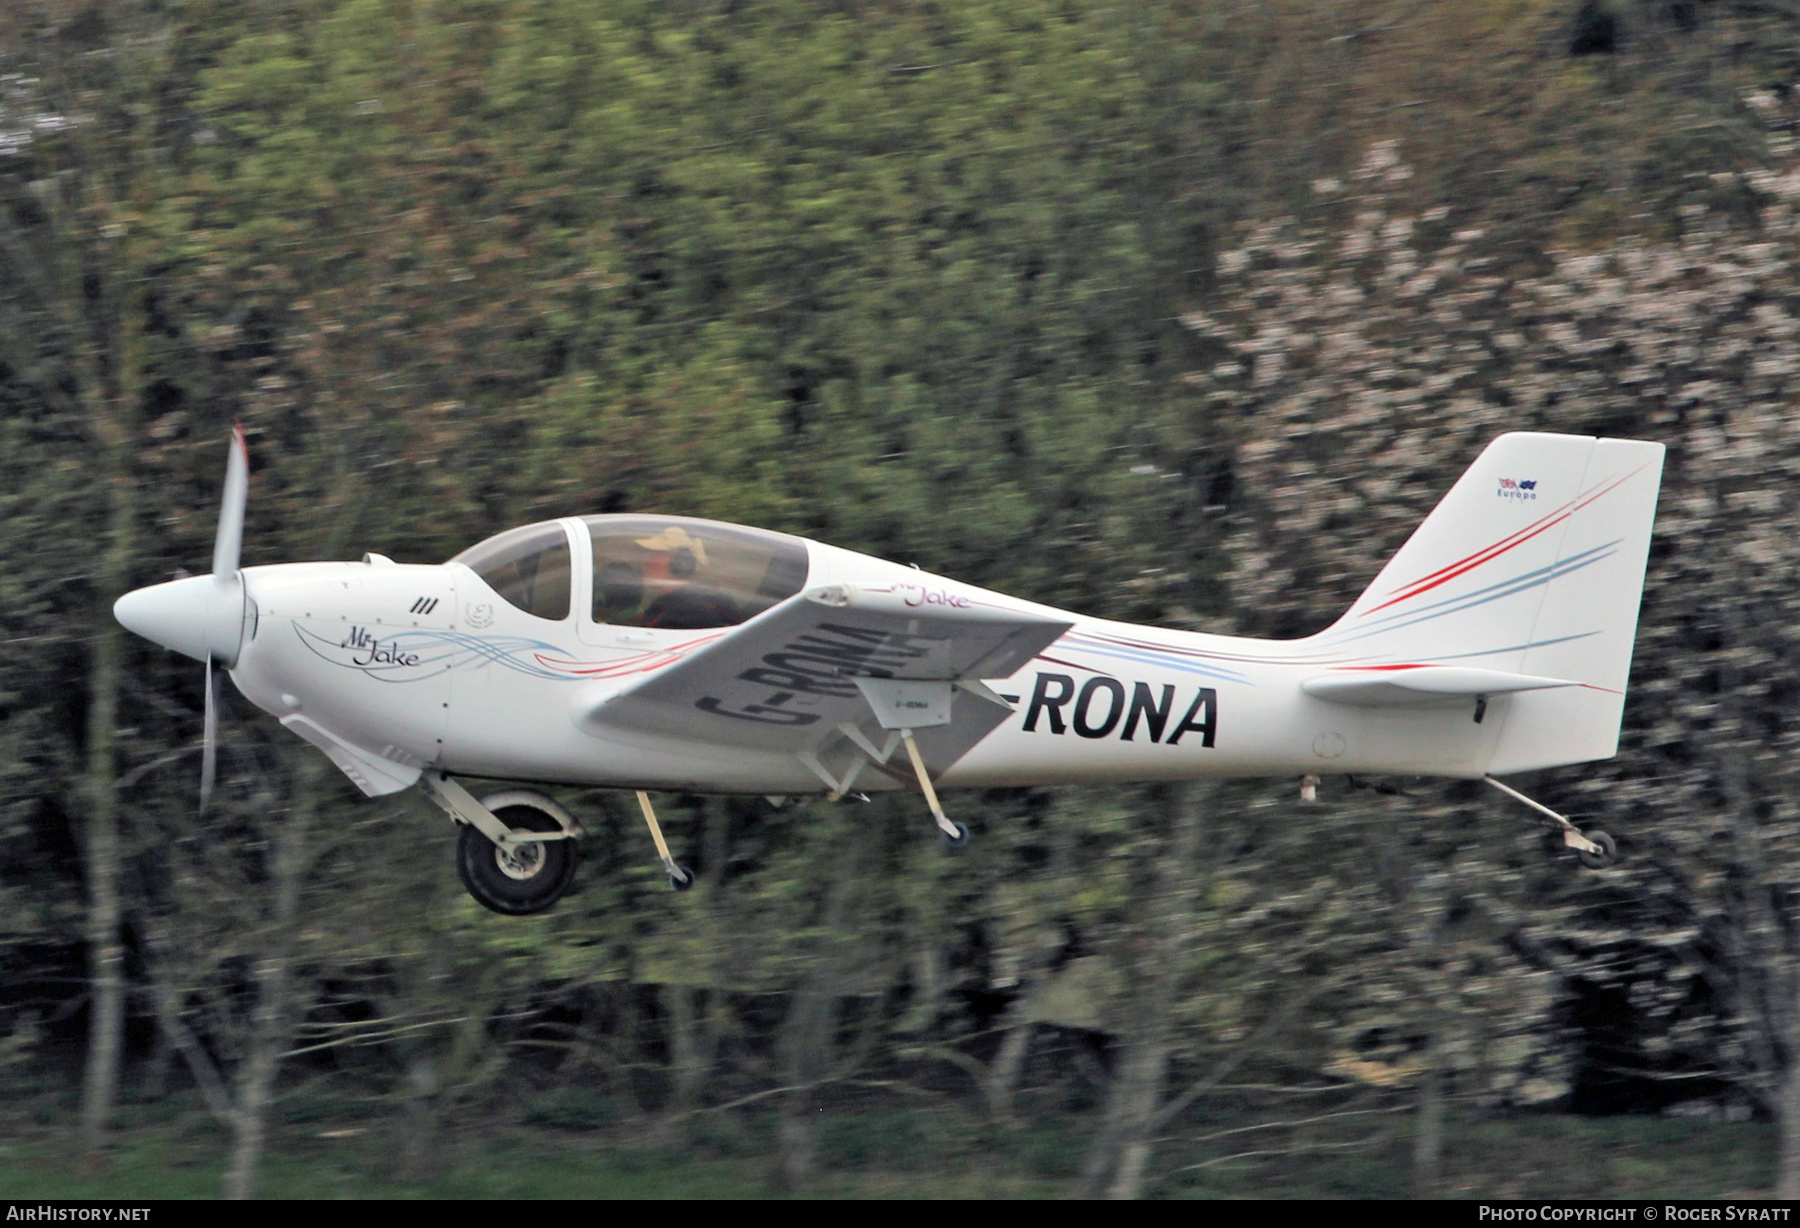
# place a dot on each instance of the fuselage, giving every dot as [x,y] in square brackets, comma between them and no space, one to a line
[442,666]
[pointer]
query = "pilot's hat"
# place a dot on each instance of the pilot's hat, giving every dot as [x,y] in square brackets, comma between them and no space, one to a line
[674,538]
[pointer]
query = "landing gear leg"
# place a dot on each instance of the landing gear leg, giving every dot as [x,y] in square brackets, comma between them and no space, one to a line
[1596,849]
[955,834]
[680,877]
[514,850]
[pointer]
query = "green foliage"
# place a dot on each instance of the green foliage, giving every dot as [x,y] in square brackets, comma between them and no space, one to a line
[573,1108]
[1051,1147]
[1627,1157]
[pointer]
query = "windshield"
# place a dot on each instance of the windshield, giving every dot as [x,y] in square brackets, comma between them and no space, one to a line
[687,575]
[529,567]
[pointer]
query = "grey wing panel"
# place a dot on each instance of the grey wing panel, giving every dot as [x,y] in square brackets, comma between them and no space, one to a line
[784,681]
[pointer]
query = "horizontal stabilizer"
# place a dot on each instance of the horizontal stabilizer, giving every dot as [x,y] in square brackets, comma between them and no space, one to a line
[1420,686]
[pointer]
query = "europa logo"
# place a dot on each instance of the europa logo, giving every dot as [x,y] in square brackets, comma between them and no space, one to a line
[1514,489]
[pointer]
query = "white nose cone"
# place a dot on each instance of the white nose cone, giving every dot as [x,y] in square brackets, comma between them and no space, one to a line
[197,617]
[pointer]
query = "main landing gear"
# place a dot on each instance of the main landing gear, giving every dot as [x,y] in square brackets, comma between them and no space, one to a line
[680,877]
[955,834]
[1595,849]
[515,852]
[900,706]
[524,875]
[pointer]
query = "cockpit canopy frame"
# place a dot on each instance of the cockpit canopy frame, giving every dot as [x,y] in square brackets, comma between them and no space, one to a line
[670,573]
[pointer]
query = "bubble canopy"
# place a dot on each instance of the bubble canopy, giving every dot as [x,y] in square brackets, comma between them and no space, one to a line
[528,567]
[665,572]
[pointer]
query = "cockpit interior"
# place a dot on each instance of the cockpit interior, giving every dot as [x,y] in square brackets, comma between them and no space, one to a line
[660,572]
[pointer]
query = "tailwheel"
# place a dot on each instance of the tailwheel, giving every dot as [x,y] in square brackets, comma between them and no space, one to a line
[1595,848]
[1604,855]
[517,879]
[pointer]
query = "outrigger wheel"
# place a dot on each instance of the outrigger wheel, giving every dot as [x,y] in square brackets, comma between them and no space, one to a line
[521,878]
[1606,856]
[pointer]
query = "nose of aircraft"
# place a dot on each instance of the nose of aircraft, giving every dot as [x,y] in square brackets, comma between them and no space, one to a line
[198,617]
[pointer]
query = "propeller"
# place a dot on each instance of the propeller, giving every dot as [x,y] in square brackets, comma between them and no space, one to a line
[204,617]
[228,589]
[209,742]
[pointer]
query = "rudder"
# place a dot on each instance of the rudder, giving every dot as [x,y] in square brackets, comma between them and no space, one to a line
[1587,626]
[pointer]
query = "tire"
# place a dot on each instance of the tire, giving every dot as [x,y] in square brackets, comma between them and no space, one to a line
[1608,854]
[518,882]
[959,839]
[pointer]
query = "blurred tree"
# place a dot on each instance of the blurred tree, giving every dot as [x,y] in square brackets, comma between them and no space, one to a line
[83,246]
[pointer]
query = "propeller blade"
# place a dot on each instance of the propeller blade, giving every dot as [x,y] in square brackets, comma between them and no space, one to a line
[231,508]
[209,746]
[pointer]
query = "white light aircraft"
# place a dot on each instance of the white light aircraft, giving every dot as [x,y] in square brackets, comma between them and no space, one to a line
[646,652]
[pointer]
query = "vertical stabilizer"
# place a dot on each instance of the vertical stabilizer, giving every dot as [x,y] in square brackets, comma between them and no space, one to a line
[1532,564]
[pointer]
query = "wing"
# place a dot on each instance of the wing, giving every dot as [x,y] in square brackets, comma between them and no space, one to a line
[787,679]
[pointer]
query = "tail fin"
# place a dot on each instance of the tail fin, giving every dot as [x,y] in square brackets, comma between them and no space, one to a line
[1532,564]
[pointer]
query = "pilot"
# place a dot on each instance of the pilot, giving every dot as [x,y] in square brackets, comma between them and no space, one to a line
[687,604]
